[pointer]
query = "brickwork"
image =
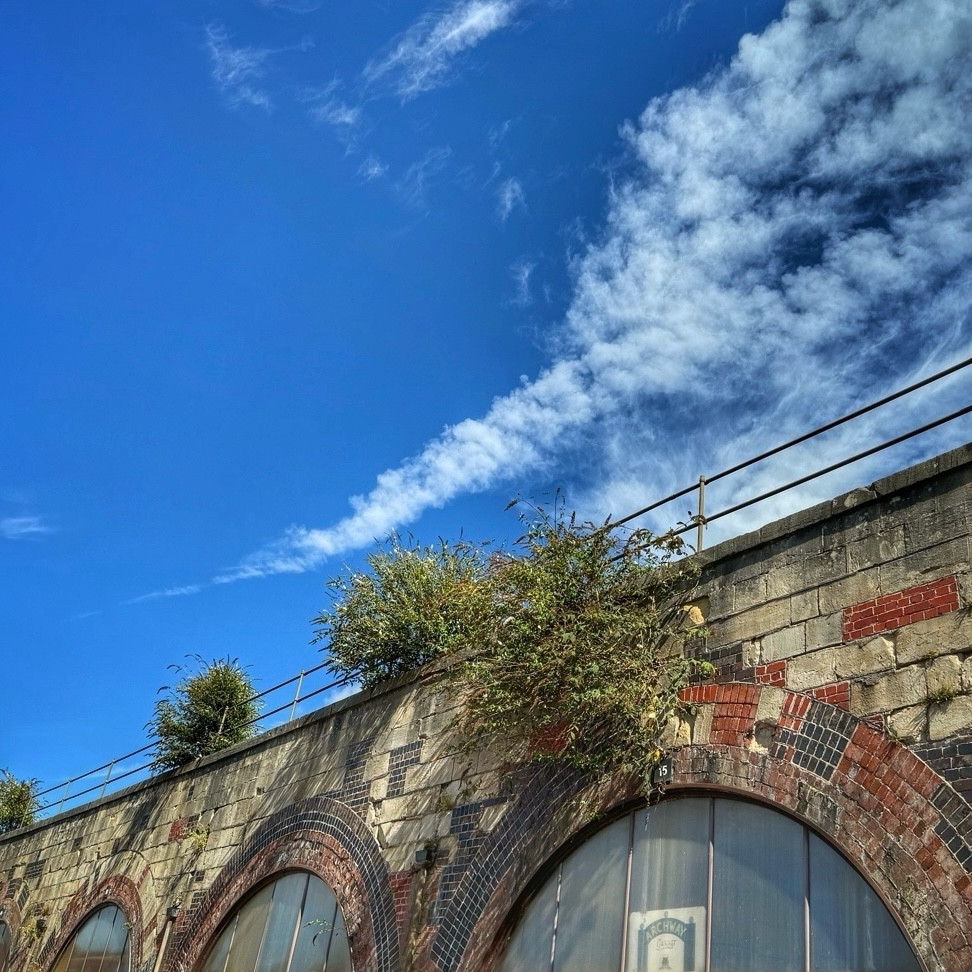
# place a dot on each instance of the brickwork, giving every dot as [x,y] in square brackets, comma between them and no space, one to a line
[890,611]
[843,695]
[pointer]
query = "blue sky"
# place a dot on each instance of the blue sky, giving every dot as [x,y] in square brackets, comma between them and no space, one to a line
[280,277]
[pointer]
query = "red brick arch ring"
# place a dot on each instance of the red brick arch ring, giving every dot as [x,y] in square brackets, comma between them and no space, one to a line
[118,890]
[319,835]
[903,827]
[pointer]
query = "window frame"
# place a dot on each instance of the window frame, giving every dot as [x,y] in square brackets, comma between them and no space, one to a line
[232,914]
[552,870]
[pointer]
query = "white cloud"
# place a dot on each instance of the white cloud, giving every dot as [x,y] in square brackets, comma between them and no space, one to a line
[293,6]
[237,70]
[180,591]
[423,56]
[522,272]
[23,527]
[372,168]
[414,184]
[509,196]
[793,236]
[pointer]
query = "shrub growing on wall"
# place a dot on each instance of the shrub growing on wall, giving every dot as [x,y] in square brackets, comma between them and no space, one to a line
[569,646]
[18,802]
[414,604]
[586,659]
[204,712]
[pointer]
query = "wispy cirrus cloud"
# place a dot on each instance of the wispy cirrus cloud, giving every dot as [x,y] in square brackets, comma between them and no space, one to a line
[509,196]
[792,235]
[372,168]
[24,527]
[181,591]
[424,56]
[292,6]
[237,70]
[414,184]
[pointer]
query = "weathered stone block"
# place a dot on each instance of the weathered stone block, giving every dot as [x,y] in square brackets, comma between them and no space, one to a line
[825,630]
[879,548]
[747,593]
[951,718]
[936,636]
[864,658]
[770,705]
[701,725]
[750,654]
[803,605]
[967,675]
[861,586]
[752,623]
[886,693]
[943,676]
[925,565]
[784,643]
[811,669]
[909,725]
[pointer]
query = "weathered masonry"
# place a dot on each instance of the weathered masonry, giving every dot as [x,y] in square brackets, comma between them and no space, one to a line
[818,816]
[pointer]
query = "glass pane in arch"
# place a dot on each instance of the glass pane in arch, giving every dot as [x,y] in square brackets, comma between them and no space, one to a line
[734,882]
[758,889]
[99,945]
[293,924]
[669,885]
[4,945]
[849,926]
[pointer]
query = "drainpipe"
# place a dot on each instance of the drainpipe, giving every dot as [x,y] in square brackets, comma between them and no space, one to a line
[171,913]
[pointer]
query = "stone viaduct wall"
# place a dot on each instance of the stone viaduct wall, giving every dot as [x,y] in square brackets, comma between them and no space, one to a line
[843,644]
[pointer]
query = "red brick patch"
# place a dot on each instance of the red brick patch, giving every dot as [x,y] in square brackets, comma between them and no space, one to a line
[836,693]
[892,611]
[772,673]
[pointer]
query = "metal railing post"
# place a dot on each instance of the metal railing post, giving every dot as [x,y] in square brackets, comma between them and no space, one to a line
[104,785]
[293,707]
[700,518]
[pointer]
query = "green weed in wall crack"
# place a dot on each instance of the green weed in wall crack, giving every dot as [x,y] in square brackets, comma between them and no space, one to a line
[570,646]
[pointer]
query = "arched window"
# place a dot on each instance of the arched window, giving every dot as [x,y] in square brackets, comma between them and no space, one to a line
[99,945]
[4,945]
[706,884]
[293,924]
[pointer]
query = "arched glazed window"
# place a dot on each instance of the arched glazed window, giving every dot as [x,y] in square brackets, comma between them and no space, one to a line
[706,884]
[4,945]
[99,945]
[293,924]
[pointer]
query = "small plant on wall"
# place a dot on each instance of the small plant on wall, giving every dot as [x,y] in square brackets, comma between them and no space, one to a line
[569,646]
[205,711]
[18,802]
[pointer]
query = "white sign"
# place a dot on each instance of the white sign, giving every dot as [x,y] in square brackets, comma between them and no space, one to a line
[667,941]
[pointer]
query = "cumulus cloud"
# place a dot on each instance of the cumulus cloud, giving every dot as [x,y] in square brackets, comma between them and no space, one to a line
[793,236]
[23,527]
[423,57]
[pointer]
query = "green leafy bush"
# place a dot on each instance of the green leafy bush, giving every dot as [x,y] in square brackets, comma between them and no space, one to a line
[413,605]
[586,659]
[205,712]
[570,646]
[18,802]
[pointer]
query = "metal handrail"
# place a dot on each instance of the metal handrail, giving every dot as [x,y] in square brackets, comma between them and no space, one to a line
[698,522]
